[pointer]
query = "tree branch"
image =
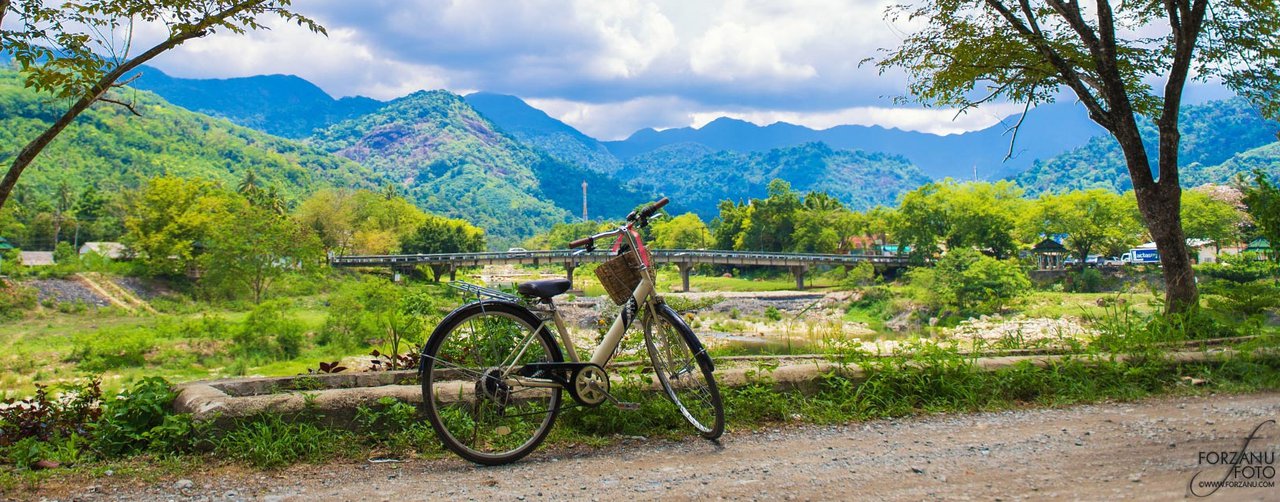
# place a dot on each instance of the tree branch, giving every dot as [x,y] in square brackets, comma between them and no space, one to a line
[127,106]
[1018,127]
[95,92]
[1186,21]
[1068,72]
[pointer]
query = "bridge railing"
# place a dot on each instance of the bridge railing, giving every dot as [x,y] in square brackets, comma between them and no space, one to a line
[659,255]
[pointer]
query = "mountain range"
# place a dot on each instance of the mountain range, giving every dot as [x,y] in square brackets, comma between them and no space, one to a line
[108,149]
[514,170]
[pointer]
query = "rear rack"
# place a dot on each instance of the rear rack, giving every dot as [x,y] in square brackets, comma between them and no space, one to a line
[483,292]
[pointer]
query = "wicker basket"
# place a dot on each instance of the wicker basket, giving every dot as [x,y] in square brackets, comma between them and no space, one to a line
[620,275]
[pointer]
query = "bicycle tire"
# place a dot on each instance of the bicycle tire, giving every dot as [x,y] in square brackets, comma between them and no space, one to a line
[674,350]
[464,353]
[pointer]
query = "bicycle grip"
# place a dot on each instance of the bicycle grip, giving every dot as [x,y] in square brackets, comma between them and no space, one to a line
[585,241]
[653,208]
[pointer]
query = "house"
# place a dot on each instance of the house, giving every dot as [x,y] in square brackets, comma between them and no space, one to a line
[5,245]
[1260,246]
[37,258]
[112,250]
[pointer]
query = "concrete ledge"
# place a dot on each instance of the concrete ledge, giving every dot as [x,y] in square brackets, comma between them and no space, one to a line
[335,398]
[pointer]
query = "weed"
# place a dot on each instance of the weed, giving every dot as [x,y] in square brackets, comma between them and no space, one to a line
[270,441]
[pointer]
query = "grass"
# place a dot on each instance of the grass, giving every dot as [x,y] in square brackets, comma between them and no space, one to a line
[42,349]
[927,380]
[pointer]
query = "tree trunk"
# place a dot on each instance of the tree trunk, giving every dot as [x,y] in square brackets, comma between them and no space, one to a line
[1161,212]
[1161,204]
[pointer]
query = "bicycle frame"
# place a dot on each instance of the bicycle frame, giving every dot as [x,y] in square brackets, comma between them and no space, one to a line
[642,296]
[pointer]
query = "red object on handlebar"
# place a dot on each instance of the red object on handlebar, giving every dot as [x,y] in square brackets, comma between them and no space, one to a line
[581,242]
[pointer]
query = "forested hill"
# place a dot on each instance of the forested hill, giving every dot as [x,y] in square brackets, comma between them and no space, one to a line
[700,178]
[283,105]
[452,161]
[108,149]
[535,128]
[1219,140]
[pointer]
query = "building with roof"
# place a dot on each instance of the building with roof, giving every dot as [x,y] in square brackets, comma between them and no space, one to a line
[112,250]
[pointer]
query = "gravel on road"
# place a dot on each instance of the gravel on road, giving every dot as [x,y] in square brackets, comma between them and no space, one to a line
[1146,450]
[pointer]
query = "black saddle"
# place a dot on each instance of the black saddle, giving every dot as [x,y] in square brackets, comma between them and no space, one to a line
[544,289]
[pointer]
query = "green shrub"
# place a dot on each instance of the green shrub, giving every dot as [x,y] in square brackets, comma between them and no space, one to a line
[267,332]
[355,310]
[64,254]
[113,348]
[140,419]
[863,274]
[15,299]
[1241,268]
[1087,281]
[967,282]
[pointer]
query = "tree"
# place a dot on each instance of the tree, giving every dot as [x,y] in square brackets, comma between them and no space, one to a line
[171,219]
[1204,217]
[71,52]
[1093,220]
[329,213]
[1106,54]
[729,223]
[770,222]
[686,231]
[1263,200]
[252,246]
[444,235]
[970,215]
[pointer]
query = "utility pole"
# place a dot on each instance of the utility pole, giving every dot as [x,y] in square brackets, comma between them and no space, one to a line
[584,200]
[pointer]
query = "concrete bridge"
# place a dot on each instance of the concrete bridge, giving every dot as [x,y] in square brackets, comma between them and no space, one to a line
[683,259]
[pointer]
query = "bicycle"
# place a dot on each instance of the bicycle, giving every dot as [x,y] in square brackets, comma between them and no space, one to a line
[493,374]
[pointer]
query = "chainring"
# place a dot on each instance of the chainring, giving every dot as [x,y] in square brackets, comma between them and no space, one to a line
[589,385]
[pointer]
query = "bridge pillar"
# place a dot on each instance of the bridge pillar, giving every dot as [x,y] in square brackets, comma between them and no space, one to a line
[684,274]
[568,272]
[798,271]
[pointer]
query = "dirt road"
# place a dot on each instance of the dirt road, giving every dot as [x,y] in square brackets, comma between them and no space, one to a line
[1147,450]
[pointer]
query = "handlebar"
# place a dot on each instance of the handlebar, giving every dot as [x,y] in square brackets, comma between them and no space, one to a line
[645,213]
[641,215]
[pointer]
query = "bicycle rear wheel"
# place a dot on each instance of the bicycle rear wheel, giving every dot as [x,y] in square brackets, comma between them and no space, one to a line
[685,371]
[477,409]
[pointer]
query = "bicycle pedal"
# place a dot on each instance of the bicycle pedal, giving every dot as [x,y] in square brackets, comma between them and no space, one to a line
[627,406]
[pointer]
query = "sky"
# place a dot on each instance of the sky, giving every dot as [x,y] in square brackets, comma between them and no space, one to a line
[606,67]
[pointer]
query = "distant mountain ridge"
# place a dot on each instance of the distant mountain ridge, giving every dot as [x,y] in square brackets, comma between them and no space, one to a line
[1048,130]
[1219,140]
[284,105]
[536,128]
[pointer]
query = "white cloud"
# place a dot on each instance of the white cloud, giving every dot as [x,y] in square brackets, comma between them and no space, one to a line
[340,63]
[928,120]
[612,121]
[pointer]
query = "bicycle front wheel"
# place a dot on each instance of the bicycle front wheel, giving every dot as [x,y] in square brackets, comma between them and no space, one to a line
[474,400]
[684,369]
